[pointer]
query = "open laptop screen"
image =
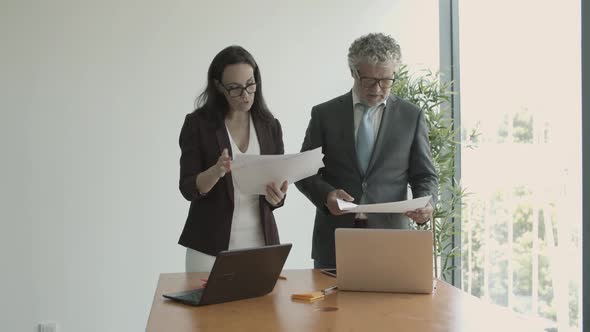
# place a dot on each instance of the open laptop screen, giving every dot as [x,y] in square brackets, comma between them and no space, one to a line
[239,274]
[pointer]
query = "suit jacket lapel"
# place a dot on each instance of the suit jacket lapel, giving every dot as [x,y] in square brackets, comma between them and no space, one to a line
[381,135]
[223,142]
[347,125]
[264,137]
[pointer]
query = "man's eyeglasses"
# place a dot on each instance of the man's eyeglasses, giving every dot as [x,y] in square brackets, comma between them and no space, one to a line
[369,82]
[239,90]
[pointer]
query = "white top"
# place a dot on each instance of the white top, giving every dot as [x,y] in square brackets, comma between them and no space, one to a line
[246,227]
[358,114]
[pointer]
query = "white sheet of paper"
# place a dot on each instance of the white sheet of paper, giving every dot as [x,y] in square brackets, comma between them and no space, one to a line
[252,173]
[392,207]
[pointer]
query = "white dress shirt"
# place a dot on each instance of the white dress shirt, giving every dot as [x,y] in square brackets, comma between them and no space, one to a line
[358,114]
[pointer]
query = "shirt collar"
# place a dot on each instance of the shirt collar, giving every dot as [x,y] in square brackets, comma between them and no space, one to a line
[356,100]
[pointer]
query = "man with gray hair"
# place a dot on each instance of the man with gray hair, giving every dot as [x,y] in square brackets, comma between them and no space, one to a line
[375,145]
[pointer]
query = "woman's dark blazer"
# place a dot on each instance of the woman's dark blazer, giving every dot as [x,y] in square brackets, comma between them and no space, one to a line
[202,140]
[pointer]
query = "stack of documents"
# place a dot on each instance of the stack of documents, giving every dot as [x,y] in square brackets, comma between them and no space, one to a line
[253,172]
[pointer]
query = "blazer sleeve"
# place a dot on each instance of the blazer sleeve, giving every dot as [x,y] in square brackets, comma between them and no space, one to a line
[315,188]
[191,163]
[422,173]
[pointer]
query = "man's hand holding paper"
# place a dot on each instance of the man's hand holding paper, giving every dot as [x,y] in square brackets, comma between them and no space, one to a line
[333,201]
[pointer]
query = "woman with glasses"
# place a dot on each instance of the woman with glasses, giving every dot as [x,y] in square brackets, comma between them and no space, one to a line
[231,119]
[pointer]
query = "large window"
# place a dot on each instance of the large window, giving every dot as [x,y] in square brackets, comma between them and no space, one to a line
[521,93]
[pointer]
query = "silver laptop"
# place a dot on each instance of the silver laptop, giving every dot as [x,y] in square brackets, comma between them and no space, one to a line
[384,260]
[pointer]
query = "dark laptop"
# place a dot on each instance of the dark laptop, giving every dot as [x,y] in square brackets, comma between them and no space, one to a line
[238,274]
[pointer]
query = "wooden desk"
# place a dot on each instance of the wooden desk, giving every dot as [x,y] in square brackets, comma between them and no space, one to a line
[448,309]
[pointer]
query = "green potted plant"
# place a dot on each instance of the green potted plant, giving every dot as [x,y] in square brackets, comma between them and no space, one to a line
[428,92]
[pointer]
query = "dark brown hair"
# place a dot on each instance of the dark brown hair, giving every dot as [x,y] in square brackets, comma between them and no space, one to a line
[214,102]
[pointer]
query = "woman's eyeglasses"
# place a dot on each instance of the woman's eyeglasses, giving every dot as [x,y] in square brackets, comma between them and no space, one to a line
[237,91]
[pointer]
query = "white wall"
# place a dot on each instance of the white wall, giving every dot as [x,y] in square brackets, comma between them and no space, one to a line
[15,225]
[93,97]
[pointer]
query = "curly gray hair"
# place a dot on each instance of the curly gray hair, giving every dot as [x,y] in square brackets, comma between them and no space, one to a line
[374,48]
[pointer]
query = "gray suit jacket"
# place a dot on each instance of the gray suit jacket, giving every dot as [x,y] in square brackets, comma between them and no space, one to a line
[401,157]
